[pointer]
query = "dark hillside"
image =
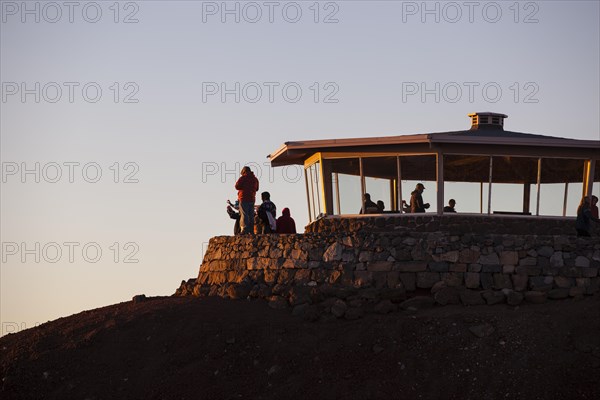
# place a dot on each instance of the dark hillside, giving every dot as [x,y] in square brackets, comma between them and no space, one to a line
[211,348]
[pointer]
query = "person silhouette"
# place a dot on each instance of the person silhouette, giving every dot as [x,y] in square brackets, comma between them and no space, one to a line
[450,206]
[584,217]
[247,186]
[285,223]
[370,206]
[416,200]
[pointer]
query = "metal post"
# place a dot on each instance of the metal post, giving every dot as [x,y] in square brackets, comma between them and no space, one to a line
[526,197]
[480,197]
[320,185]
[399,186]
[588,177]
[337,192]
[307,195]
[362,185]
[565,199]
[439,157]
[489,211]
[539,187]
[312,191]
[393,198]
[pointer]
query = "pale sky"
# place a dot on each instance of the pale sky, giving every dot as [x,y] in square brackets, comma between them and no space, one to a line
[134,131]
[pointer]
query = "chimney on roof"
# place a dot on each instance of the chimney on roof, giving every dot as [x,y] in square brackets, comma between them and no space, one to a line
[487,120]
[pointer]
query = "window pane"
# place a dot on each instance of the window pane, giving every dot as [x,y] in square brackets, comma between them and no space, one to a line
[346,192]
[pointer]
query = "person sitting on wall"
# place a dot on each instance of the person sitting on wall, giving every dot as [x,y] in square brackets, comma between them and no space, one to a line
[369,205]
[584,216]
[380,206]
[416,200]
[450,206]
[266,214]
[285,223]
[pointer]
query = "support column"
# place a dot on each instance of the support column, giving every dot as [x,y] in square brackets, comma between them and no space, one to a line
[481,197]
[489,207]
[337,193]
[399,185]
[589,168]
[565,199]
[326,186]
[307,195]
[539,187]
[526,197]
[440,183]
[363,189]
[393,197]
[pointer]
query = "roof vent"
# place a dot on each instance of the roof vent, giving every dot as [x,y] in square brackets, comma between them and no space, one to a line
[487,120]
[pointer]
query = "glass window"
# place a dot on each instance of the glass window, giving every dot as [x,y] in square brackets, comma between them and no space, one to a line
[346,188]
[466,180]
[380,174]
[419,169]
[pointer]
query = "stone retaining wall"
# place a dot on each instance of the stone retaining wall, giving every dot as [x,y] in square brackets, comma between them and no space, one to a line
[455,223]
[346,274]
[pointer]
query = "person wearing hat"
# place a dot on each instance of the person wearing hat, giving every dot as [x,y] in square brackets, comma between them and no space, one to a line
[450,206]
[416,200]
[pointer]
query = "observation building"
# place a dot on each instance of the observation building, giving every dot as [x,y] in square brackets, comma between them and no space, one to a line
[482,166]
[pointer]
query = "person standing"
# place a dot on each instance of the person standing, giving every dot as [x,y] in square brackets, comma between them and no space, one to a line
[416,200]
[247,186]
[584,216]
[267,212]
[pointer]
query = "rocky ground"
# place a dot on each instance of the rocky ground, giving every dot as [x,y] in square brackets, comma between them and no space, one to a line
[212,348]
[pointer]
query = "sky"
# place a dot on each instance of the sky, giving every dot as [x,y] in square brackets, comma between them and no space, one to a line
[124,124]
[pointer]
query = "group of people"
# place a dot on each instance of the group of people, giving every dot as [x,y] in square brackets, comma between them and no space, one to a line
[250,219]
[418,206]
[263,219]
[416,203]
[370,207]
[586,212]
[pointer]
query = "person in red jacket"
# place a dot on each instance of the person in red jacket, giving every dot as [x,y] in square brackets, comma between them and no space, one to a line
[285,223]
[247,186]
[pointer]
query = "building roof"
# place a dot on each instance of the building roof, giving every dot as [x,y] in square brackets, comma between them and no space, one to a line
[472,141]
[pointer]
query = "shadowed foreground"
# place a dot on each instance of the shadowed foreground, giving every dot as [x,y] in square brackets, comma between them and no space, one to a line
[211,348]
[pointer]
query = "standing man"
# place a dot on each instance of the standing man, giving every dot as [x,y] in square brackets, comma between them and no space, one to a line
[416,200]
[267,213]
[247,186]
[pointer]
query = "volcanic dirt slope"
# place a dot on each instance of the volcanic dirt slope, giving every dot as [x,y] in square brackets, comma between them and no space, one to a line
[210,348]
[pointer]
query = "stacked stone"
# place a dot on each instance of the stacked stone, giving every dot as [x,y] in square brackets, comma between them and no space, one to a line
[455,223]
[348,274]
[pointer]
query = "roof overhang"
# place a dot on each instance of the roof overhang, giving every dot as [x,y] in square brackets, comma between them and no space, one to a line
[491,142]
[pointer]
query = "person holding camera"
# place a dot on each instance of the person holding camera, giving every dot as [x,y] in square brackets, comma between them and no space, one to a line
[416,200]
